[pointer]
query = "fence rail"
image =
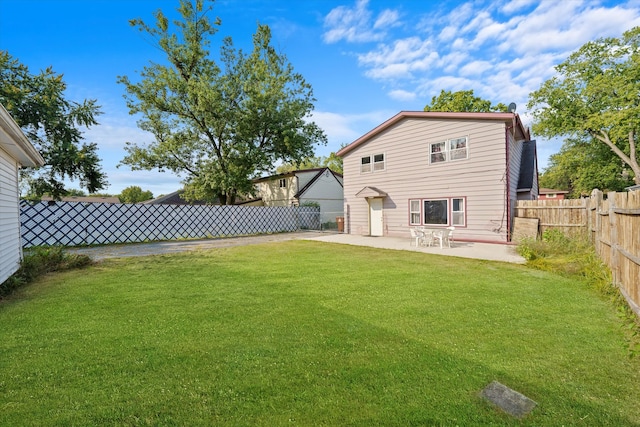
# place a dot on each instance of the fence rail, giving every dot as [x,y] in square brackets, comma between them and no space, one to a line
[75,223]
[613,225]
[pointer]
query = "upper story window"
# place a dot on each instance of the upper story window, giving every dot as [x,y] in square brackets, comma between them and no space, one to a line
[365,164]
[450,150]
[282,183]
[458,148]
[372,163]
[438,152]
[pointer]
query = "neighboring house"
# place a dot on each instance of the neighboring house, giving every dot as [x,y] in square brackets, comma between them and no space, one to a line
[319,185]
[15,152]
[440,169]
[175,198]
[551,194]
[172,199]
[83,199]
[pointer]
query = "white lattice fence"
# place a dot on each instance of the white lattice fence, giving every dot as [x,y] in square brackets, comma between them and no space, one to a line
[74,224]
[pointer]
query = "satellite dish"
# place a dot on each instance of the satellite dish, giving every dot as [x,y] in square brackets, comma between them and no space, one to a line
[512,107]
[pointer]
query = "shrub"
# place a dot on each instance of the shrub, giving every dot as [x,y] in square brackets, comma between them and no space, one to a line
[39,261]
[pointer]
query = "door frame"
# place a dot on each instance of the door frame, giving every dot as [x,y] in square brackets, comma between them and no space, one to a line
[374,215]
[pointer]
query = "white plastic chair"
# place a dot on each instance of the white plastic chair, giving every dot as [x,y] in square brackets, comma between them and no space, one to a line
[427,237]
[416,235]
[450,237]
[443,237]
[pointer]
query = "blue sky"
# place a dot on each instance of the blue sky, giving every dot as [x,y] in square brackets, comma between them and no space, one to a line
[366,60]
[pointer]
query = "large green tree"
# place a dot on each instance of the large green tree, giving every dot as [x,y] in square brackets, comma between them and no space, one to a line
[332,162]
[463,100]
[218,123]
[582,165]
[134,194]
[54,126]
[595,97]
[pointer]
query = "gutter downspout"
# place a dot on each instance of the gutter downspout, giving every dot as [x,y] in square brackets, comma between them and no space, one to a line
[506,137]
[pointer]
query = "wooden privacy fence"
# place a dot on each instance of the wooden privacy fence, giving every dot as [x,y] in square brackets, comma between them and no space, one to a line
[74,223]
[612,224]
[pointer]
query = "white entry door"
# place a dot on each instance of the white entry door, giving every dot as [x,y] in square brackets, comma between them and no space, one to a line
[375,217]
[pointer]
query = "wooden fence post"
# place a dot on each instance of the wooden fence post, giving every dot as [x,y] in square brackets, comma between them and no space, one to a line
[595,231]
[613,237]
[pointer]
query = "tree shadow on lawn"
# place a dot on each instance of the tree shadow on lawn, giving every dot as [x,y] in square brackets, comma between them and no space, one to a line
[348,371]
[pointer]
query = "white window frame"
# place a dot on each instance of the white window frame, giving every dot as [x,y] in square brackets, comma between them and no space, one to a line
[379,165]
[446,210]
[373,165]
[454,152]
[460,214]
[413,212]
[442,153]
[449,154]
[366,167]
[456,218]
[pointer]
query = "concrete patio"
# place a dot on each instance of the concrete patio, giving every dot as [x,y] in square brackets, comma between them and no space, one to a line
[488,251]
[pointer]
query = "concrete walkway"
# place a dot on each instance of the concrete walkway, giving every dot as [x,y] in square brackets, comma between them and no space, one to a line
[492,252]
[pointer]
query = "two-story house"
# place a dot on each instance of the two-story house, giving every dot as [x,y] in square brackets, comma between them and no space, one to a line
[319,186]
[439,169]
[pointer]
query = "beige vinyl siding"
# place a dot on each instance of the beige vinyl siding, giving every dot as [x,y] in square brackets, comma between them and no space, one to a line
[480,178]
[274,195]
[10,247]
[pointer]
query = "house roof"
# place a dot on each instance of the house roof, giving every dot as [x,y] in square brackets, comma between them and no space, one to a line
[321,171]
[84,199]
[528,167]
[14,141]
[368,192]
[552,191]
[508,118]
[173,199]
[292,173]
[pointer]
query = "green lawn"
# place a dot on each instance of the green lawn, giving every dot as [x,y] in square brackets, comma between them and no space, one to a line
[306,333]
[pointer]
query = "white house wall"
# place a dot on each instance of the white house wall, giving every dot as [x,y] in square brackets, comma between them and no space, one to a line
[305,177]
[327,192]
[480,179]
[10,248]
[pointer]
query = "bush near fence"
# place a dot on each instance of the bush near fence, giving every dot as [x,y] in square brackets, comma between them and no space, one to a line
[75,223]
[612,224]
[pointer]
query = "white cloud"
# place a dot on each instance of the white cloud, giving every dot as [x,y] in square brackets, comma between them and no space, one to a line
[387,18]
[399,60]
[501,51]
[402,95]
[448,33]
[475,68]
[356,24]
[514,6]
[346,128]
